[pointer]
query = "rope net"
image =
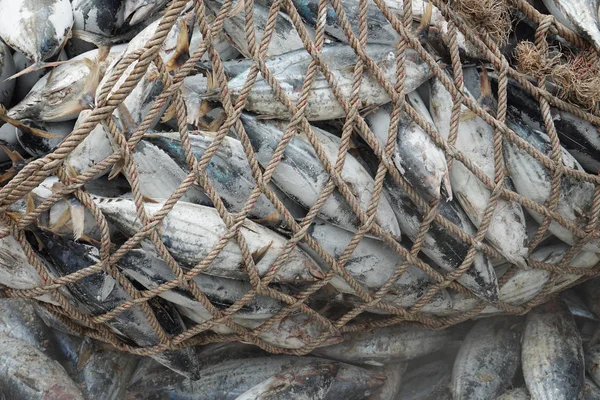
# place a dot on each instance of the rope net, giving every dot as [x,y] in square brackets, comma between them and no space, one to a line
[312,312]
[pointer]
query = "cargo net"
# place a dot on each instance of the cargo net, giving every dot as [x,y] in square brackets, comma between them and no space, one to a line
[347,257]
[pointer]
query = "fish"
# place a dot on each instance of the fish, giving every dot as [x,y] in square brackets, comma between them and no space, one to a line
[515,394]
[24,83]
[393,383]
[220,43]
[190,231]
[442,247]
[229,379]
[581,16]
[27,373]
[312,381]
[475,139]
[371,264]
[101,374]
[533,181]
[389,344]
[7,69]
[591,391]
[592,360]
[37,146]
[591,295]
[37,29]
[228,169]
[105,17]
[285,37]
[416,156]
[100,293]
[137,10]
[301,176]
[488,358]
[552,354]
[577,305]
[430,381]
[290,69]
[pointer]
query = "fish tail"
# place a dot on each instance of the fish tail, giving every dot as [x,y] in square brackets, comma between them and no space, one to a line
[36,67]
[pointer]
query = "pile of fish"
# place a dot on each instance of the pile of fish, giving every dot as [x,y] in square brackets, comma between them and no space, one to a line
[552,353]
[53,75]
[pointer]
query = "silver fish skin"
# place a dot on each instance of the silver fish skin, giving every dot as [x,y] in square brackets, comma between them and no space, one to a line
[393,383]
[441,246]
[137,10]
[101,374]
[309,382]
[533,181]
[38,146]
[552,353]
[37,29]
[580,16]
[416,156]
[488,358]
[389,344]
[27,373]
[592,361]
[228,169]
[507,231]
[100,293]
[24,83]
[591,391]
[301,176]
[190,231]
[229,379]
[515,394]
[285,38]
[430,381]
[290,69]
[7,69]
[372,263]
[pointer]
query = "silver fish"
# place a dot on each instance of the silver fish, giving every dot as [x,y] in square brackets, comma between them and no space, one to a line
[416,156]
[105,17]
[7,68]
[393,383]
[138,10]
[389,344]
[533,181]
[552,355]
[430,381]
[290,69]
[27,373]
[37,29]
[228,379]
[301,176]
[284,39]
[38,146]
[506,231]
[190,231]
[580,16]
[515,394]
[488,358]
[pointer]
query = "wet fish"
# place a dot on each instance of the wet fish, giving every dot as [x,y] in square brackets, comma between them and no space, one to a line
[592,361]
[553,364]
[301,176]
[27,373]
[37,29]
[101,293]
[393,382]
[416,156]
[488,358]
[7,68]
[229,379]
[515,394]
[290,70]
[138,10]
[577,305]
[228,169]
[190,231]
[24,83]
[430,381]
[533,181]
[506,231]
[105,17]
[580,16]
[389,344]
[38,146]
[591,391]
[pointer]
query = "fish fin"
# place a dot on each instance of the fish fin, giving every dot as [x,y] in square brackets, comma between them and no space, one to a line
[272,219]
[467,115]
[91,84]
[15,216]
[205,108]
[169,114]
[30,203]
[14,156]
[70,171]
[77,220]
[61,221]
[116,170]
[259,254]
[126,118]
[25,128]
[217,122]
[103,52]
[182,50]
[37,67]
[86,350]
[425,20]
[147,199]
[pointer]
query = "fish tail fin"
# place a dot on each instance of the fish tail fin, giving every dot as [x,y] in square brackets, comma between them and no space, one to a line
[182,50]
[36,67]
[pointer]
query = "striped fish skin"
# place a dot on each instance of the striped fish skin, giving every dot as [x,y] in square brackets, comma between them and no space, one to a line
[430,381]
[552,354]
[389,344]
[301,176]
[290,70]
[27,373]
[506,231]
[580,16]
[515,394]
[228,379]
[488,358]
[100,293]
[190,231]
